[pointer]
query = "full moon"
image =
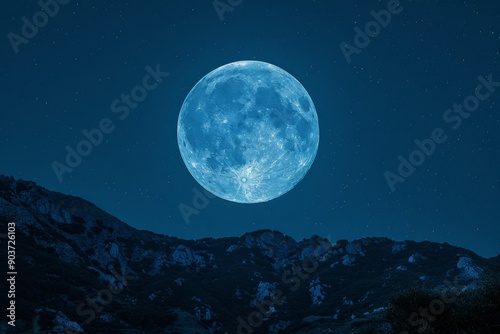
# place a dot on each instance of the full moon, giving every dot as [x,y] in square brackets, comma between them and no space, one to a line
[248,132]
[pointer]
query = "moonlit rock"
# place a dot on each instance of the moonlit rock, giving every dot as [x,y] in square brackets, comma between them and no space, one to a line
[265,290]
[347,302]
[231,248]
[348,260]
[469,268]
[416,256]
[354,249]
[182,255]
[114,251]
[316,290]
[398,247]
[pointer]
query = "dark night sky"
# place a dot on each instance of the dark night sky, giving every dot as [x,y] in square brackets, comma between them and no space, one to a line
[395,90]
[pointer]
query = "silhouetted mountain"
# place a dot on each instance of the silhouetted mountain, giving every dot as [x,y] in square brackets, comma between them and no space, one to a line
[81,269]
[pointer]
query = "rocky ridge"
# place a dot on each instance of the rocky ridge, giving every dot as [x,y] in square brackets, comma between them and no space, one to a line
[83,270]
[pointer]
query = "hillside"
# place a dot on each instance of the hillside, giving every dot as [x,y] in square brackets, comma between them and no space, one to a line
[81,269]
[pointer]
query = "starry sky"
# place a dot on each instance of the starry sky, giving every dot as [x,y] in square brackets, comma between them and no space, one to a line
[374,95]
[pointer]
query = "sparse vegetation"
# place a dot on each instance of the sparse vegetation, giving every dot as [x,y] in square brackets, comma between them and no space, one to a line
[473,311]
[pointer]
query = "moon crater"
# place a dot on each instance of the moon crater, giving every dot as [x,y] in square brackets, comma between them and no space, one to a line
[248,132]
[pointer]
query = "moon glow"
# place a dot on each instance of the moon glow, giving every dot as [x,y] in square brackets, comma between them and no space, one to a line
[248,132]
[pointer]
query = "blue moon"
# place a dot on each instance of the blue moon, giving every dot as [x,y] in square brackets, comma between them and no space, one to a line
[248,132]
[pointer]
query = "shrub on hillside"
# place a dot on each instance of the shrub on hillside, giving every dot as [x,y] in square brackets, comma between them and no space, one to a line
[472,311]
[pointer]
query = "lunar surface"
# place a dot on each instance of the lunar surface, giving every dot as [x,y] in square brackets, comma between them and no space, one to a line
[248,132]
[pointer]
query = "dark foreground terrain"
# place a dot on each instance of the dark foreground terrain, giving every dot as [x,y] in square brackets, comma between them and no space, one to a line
[82,270]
